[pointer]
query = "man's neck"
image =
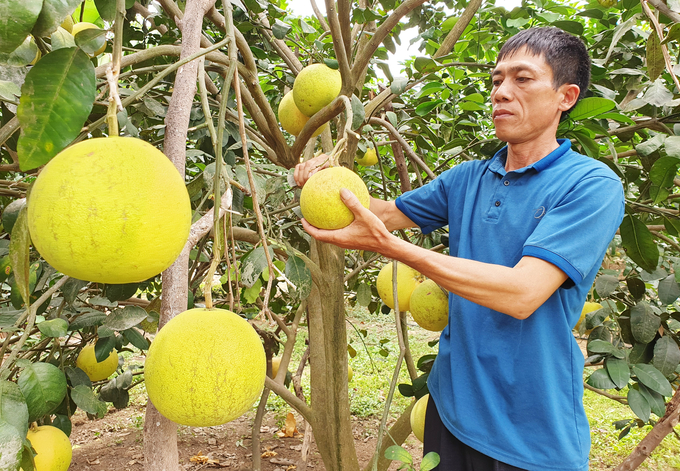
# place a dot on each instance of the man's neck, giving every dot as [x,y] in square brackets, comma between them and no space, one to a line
[523,154]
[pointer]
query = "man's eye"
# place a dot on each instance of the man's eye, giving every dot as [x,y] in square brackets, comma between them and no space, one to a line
[497,83]
[522,79]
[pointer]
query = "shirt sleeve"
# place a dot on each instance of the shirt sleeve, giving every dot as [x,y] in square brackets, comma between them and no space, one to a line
[574,234]
[428,205]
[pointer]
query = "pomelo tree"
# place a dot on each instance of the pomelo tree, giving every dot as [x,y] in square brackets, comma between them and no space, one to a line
[202,81]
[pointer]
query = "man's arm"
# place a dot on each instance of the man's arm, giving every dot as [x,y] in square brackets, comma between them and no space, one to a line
[517,291]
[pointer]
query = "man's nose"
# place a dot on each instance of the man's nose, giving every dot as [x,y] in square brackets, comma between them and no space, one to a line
[502,92]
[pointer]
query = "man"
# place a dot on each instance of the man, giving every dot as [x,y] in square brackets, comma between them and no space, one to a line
[528,231]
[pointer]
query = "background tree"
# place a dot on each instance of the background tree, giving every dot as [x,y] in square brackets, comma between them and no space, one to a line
[203,82]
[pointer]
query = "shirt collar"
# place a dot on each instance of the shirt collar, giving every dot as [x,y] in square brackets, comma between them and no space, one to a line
[498,162]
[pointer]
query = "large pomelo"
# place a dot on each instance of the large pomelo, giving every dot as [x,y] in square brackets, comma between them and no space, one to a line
[418,417]
[205,367]
[320,200]
[315,87]
[430,306]
[110,210]
[53,448]
[291,119]
[96,371]
[407,280]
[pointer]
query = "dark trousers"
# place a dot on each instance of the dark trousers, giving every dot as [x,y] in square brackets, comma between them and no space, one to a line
[455,455]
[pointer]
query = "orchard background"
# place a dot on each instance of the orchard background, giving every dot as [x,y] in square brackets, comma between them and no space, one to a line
[202,81]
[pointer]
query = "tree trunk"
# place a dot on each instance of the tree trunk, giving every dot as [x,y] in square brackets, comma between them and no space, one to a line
[328,346]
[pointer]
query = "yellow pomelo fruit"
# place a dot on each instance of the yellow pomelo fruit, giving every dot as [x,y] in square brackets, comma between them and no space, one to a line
[291,119]
[315,87]
[418,417]
[350,373]
[430,306]
[87,361]
[52,446]
[83,25]
[109,210]
[67,24]
[320,200]
[276,362]
[369,158]
[587,307]
[205,367]
[407,280]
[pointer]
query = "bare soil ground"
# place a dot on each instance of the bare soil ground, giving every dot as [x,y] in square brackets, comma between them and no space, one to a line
[115,443]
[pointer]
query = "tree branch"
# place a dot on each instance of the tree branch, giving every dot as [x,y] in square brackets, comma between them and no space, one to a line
[341,54]
[409,151]
[458,29]
[294,401]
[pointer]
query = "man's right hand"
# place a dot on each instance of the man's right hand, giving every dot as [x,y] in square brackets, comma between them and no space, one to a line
[306,169]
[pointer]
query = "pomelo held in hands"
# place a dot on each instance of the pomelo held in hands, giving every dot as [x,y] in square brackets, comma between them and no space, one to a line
[109,210]
[320,200]
[205,367]
[429,306]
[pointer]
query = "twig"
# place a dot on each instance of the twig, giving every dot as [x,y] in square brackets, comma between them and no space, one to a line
[409,151]
[659,33]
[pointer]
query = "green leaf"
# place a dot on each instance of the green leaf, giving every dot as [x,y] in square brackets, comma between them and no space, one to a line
[605,285]
[397,453]
[650,145]
[431,88]
[71,288]
[63,423]
[54,328]
[591,106]
[666,355]
[61,39]
[618,370]
[85,398]
[280,29]
[643,322]
[106,9]
[87,319]
[669,290]
[600,346]
[425,108]
[28,458]
[673,34]
[13,408]
[672,146]
[398,86]
[664,170]
[123,319]
[639,243]
[135,338]
[600,379]
[364,294]
[90,40]
[653,379]
[358,112]
[19,247]
[52,15]
[430,461]
[77,376]
[250,294]
[103,347]
[639,404]
[425,64]
[17,18]
[11,446]
[298,273]
[56,99]
[253,264]
[44,387]
[120,292]
[654,399]
[655,60]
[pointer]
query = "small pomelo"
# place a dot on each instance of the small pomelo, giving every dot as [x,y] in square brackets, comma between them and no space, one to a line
[82,26]
[109,210]
[588,307]
[369,158]
[430,306]
[315,87]
[205,367]
[320,200]
[291,119]
[407,280]
[96,371]
[276,362]
[52,447]
[418,417]
[68,23]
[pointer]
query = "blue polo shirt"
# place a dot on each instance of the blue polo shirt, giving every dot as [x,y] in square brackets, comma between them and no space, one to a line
[513,389]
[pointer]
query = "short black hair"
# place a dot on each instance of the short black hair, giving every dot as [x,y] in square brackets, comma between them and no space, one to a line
[566,55]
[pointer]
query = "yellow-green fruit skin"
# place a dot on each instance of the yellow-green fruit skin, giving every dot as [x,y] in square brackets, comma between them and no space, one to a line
[418,417]
[291,119]
[205,367]
[588,307]
[276,362]
[315,87]
[369,158]
[87,361]
[430,306]
[83,25]
[52,446]
[110,210]
[407,280]
[320,200]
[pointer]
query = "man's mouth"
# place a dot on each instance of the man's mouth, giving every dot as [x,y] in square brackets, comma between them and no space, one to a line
[500,113]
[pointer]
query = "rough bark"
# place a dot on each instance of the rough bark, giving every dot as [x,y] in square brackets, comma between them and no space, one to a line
[160,434]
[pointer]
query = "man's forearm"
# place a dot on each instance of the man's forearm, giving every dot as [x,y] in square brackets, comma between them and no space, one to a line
[390,215]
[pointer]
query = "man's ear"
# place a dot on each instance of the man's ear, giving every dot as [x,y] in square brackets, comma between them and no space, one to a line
[570,92]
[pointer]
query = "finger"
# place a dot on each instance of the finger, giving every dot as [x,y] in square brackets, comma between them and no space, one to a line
[350,200]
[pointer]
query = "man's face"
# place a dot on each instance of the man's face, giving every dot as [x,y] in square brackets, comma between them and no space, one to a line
[525,104]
